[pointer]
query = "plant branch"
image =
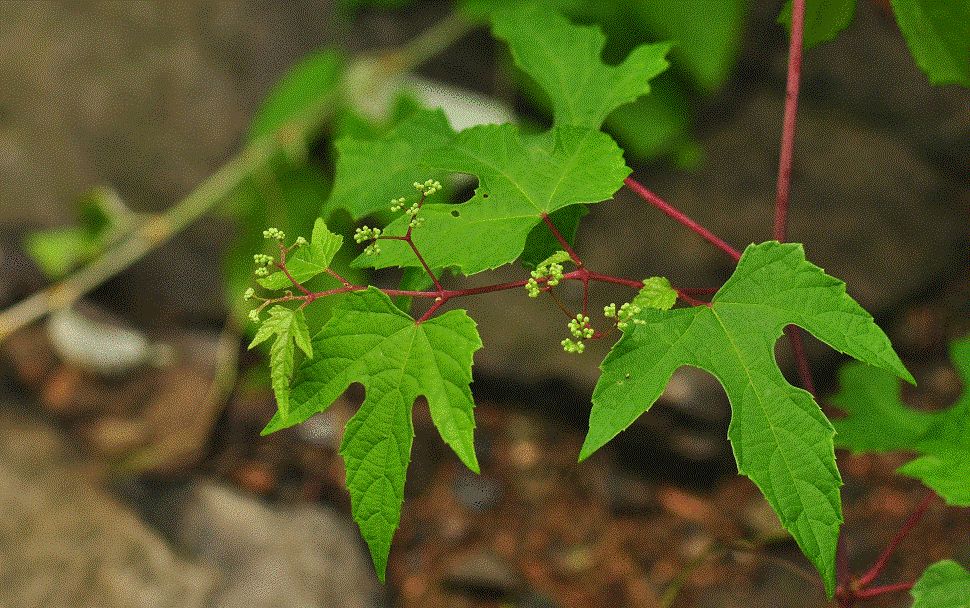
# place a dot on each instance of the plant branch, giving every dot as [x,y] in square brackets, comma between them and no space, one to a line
[883,589]
[880,564]
[562,241]
[286,271]
[674,213]
[158,229]
[785,156]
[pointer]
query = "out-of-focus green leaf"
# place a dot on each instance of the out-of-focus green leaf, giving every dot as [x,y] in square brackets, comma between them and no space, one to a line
[824,19]
[706,35]
[938,35]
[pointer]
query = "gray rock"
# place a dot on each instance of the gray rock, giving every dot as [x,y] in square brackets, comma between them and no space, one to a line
[65,542]
[303,555]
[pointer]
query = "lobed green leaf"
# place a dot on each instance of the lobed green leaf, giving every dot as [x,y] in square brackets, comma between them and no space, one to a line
[371,341]
[521,177]
[781,439]
[565,60]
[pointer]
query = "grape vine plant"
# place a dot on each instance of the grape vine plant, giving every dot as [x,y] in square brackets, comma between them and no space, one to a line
[533,188]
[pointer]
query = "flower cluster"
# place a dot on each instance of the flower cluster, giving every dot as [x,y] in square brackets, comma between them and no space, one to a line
[428,188]
[551,272]
[273,234]
[580,330]
[366,233]
[624,316]
[262,261]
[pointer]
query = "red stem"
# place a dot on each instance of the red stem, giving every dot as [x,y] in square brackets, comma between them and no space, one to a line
[880,564]
[647,195]
[562,241]
[282,266]
[794,334]
[883,589]
[788,126]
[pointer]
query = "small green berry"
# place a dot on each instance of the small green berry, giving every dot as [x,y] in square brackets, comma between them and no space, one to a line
[249,294]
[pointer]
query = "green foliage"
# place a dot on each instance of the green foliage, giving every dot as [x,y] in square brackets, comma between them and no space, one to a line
[307,261]
[879,421]
[289,326]
[945,584]
[938,35]
[706,35]
[824,19]
[521,177]
[566,61]
[369,340]
[102,217]
[371,172]
[308,81]
[936,31]
[780,437]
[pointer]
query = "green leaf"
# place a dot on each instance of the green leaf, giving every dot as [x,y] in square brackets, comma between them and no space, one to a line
[521,177]
[371,172]
[706,35]
[369,340]
[824,19]
[566,61]
[945,584]
[780,438]
[879,421]
[307,261]
[656,293]
[103,217]
[312,78]
[281,196]
[289,326]
[541,243]
[938,35]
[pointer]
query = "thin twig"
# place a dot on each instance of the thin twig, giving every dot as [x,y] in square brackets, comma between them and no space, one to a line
[158,229]
[674,213]
[562,241]
[880,564]
[786,154]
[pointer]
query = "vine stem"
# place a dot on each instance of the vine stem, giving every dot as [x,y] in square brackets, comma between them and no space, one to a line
[670,211]
[880,564]
[783,188]
[884,589]
[159,228]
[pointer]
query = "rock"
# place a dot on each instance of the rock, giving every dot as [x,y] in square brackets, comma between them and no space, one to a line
[476,492]
[276,555]
[65,542]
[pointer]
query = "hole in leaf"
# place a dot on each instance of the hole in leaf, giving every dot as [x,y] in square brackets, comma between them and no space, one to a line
[455,213]
[485,195]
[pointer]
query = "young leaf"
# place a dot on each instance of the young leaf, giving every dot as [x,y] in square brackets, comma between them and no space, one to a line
[369,340]
[824,19]
[289,326]
[938,35]
[945,584]
[780,438]
[879,421]
[520,178]
[369,173]
[566,61]
[307,261]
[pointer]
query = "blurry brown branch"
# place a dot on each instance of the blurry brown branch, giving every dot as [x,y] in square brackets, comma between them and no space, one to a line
[158,229]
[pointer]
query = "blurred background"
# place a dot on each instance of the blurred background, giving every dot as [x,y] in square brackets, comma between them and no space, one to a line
[132,472]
